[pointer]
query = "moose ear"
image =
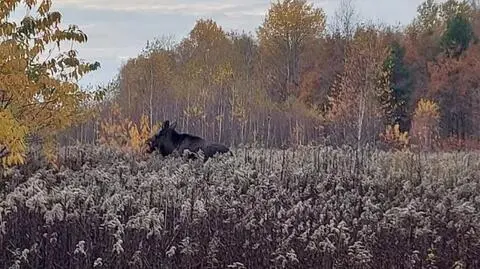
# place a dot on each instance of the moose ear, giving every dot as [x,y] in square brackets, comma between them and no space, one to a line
[174,124]
[166,124]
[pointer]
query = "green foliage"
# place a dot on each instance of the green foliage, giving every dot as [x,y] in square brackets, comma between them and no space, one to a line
[427,15]
[432,15]
[400,84]
[458,35]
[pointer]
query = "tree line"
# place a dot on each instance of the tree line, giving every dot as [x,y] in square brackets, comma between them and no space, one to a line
[300,80]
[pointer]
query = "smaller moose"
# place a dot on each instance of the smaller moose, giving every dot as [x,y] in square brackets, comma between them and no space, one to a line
[167,140]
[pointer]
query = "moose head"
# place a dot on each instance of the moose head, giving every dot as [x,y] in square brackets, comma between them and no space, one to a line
[163,140]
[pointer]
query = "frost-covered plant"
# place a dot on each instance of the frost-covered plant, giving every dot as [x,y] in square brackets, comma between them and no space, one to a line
[263,208]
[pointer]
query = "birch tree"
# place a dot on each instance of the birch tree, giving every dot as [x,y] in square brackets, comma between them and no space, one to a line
[288,27]
[356,113]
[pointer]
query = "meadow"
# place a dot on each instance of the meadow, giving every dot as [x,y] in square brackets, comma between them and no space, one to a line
[263,208]
[300,77]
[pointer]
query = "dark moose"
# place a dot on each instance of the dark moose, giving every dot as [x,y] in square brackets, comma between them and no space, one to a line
[168,140]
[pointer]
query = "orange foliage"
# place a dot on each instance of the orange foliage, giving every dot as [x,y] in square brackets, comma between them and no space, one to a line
[356,108]
[123,134]
[463,74]
[454,82]
[394,138]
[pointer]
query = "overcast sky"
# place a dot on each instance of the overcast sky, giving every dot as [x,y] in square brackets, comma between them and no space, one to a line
[119,29]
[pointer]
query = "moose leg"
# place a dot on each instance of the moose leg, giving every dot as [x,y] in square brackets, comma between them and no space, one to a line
[188,154]
[191,156]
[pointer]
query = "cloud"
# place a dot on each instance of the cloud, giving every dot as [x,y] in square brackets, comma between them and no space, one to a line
[246,13]
[157,6]
[118,30]
[111,53]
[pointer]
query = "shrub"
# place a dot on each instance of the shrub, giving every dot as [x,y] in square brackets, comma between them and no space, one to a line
[121,133]
[394,138]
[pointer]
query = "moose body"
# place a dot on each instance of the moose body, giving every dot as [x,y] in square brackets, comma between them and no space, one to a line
[168,140]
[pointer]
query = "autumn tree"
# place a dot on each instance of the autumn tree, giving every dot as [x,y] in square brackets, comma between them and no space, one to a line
[425,124]
[205,73]
[440,31]
[422,42]
[357,107]
[454,85]
[289,26]
[458,34]
[435,27]
[442,26]
[38,90]
[452,71]
[400,83]
[119,132]
[279,89]
[245,91]
[345,19]
[145,83]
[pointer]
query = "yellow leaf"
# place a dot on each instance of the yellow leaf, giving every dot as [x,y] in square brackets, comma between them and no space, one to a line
[43,96]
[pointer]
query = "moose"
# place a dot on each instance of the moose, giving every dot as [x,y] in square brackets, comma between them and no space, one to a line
[168,140]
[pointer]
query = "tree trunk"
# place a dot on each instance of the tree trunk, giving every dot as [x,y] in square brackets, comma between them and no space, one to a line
[361,116]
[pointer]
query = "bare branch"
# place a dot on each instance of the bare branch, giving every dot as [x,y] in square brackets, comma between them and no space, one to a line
[345,19]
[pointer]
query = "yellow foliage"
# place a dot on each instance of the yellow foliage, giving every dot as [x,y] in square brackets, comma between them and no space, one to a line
[134,140]
[294,19]
[37,96]
[427,109]
[425,124]
[223,73]
[115,130]
[208,65]
[11,137]
[394,137]
[123,134]
[139,134]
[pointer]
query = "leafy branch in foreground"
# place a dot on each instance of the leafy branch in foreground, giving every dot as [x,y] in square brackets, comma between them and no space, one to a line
[39,93]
